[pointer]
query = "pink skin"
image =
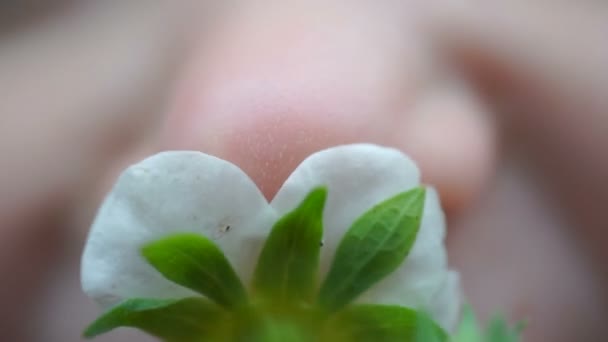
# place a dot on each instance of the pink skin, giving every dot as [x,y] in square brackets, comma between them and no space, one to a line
[268,95]
[268,86]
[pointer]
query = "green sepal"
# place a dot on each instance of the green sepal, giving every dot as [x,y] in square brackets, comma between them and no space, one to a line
[365,323]
[195,262]
[468,329]
[192,319]
[289,261]
[427,330]
[497,329]
[376,244]
[277,329]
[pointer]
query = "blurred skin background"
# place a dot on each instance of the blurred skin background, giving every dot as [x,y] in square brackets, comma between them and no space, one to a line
[504,107]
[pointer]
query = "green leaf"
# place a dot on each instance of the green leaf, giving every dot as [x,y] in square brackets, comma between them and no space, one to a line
[499,331]
[276,329]
[195,262]
[427,330]
[382,323]
[177,320]
[376,244]
[288,264]
[468,329]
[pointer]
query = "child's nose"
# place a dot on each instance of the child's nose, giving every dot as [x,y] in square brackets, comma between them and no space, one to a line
[271,87]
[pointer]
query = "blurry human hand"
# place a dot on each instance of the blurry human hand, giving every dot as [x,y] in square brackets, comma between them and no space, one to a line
[263,88]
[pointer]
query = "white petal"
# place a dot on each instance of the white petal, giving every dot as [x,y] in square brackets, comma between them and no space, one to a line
[168,193]
[358,177]
[448,302]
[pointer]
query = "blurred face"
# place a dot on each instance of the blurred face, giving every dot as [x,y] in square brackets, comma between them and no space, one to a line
[88,88]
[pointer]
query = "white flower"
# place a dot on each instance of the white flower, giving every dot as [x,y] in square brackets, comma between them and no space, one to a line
[193,192]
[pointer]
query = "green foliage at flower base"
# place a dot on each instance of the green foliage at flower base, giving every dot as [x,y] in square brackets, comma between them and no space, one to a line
[284,301]
[497,330]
